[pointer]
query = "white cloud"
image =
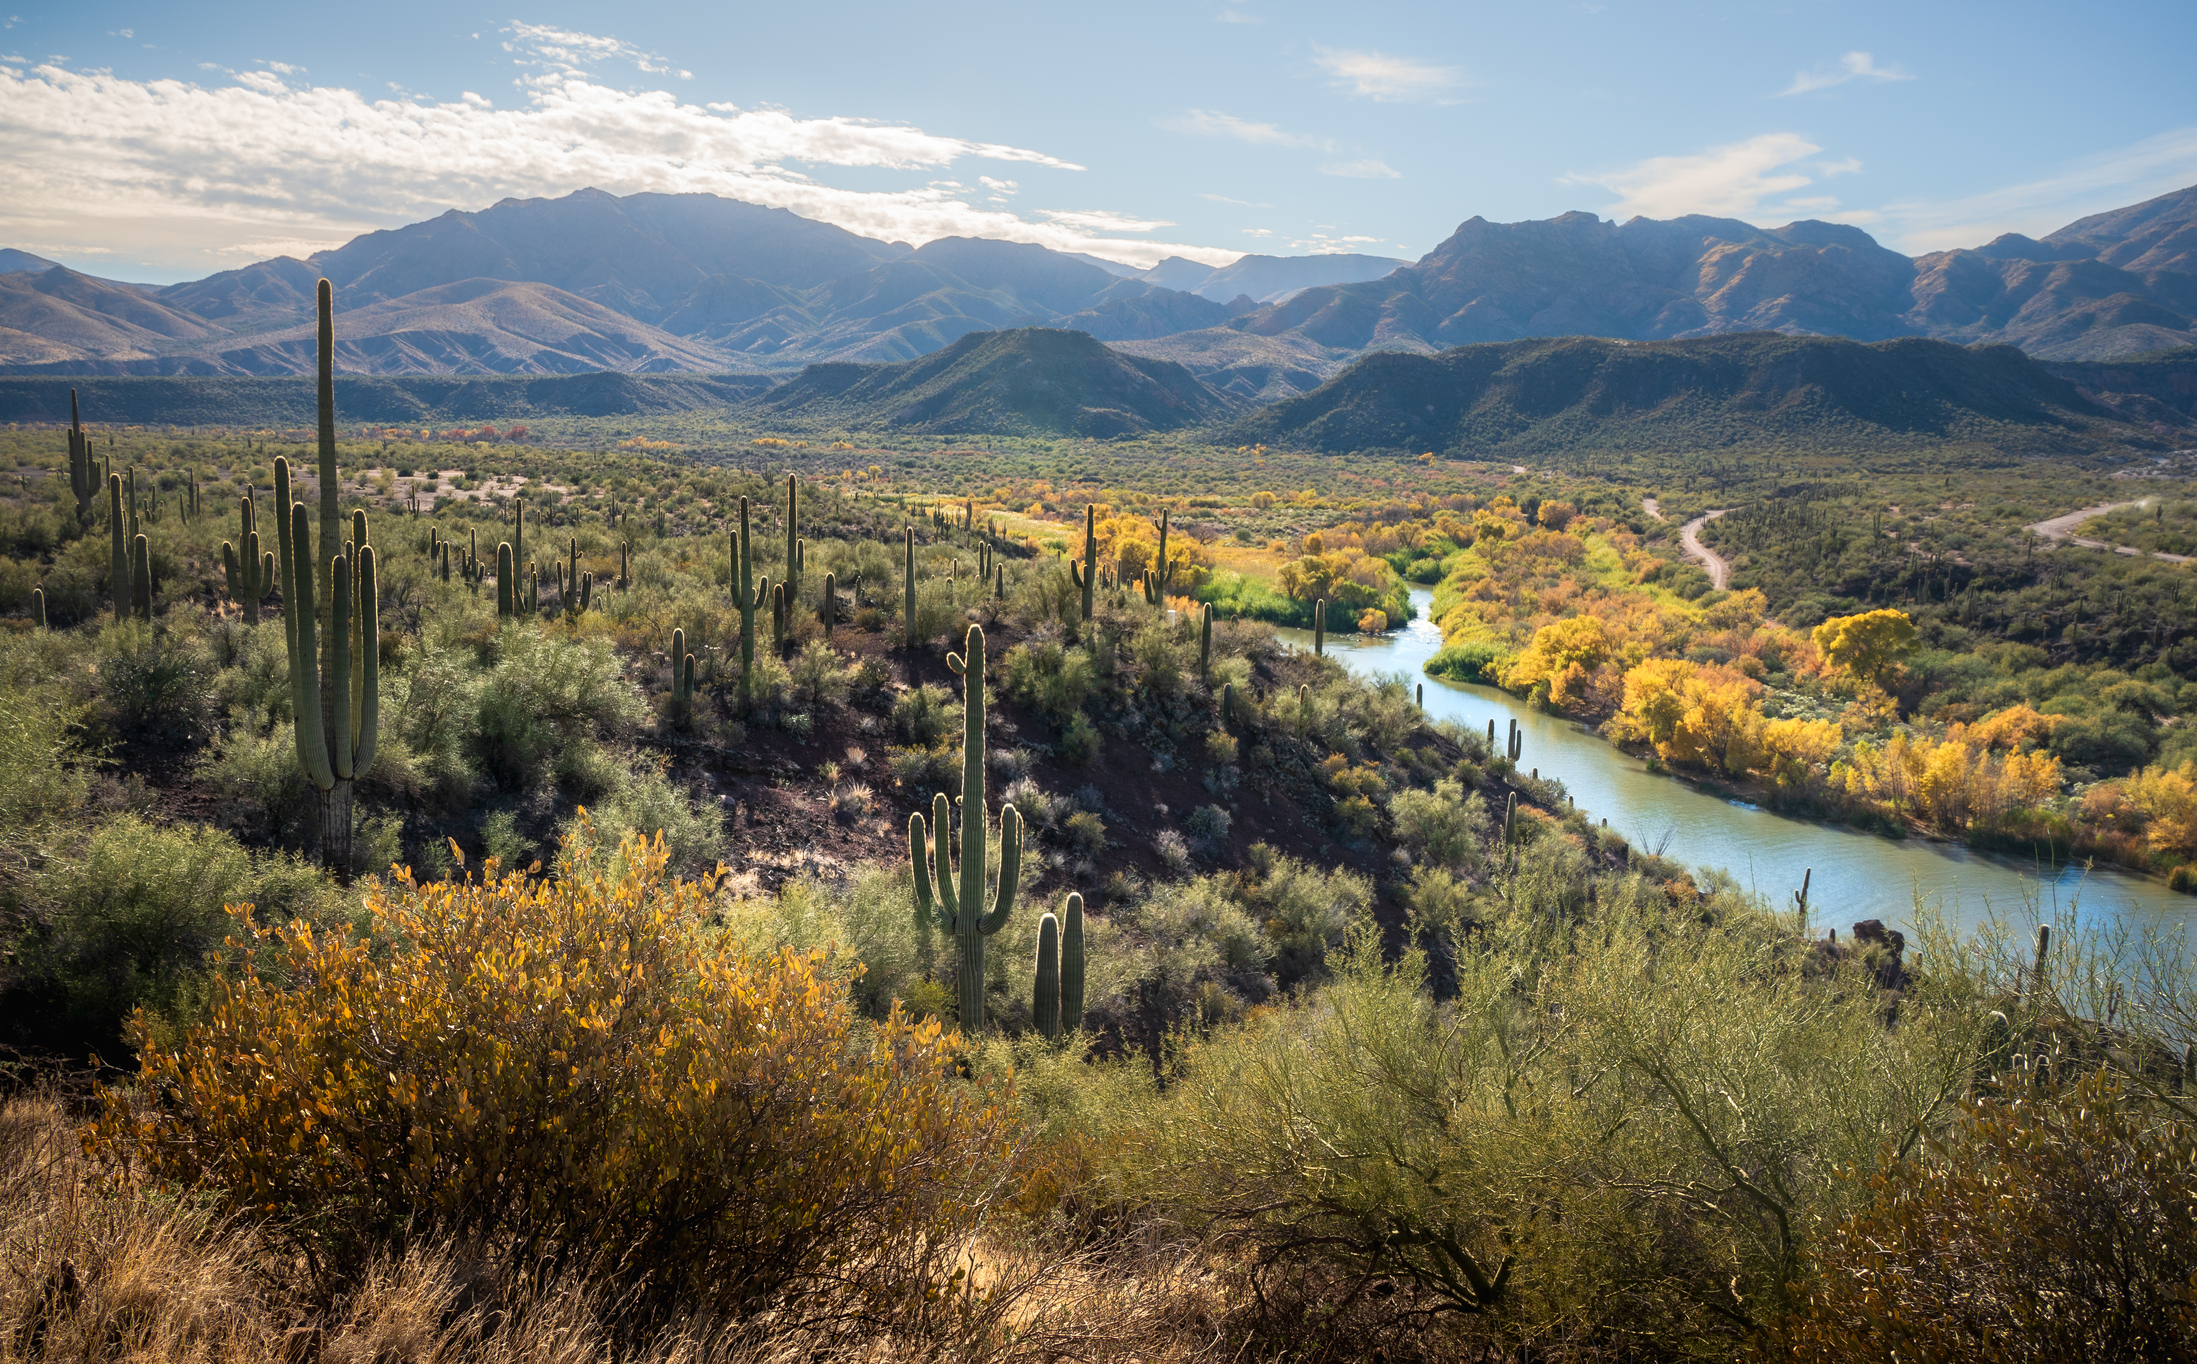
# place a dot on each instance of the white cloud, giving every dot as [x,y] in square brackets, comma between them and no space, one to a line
[1367,169]
[1212,123]
[1378,76]
[561,49]
[1101,220]
[997,186]
[177,173]
[1233,15]
[1854,66]
[2093,184]
[1258,232]
[1321,244]
[1240,203]
[1731,181]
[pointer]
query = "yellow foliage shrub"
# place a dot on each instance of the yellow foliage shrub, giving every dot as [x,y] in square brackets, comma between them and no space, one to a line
[572,1067]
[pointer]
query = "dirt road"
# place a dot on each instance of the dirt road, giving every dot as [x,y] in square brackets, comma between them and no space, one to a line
[1689,535]
[2063,528]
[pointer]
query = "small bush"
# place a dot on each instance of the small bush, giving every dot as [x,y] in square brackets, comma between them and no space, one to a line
[1208,824]
[1086,833]
[706,1124]
[1220,746]
[1079,742]
[2057,1222]
[921,714]
[1173,851]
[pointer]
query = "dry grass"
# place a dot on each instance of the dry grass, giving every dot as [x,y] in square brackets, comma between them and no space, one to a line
[96,1267]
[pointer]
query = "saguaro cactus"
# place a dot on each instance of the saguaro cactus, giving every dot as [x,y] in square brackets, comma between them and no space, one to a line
[1086,577]
[251,572]
[507,585]
[827,610]
[959,905]
[746,593]
[84,479]
[38,607]
[1057,1000]
[1319,626]
[625,563]
[1205,642]
[337,696]
[1162,572]
[141,577]
[682,672]
[797,550]
[118,551]
[907,578]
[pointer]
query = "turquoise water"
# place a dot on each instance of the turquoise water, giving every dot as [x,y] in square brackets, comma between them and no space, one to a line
[1856,875]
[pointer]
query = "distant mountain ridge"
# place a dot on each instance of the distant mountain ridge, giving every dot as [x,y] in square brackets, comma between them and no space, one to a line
[1561,398]
[662,283]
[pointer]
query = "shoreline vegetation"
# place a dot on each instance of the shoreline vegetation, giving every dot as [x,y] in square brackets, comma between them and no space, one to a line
[566,979]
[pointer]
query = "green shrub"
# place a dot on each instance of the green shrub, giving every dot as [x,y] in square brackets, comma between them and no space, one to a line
[153,686]
[641,801]
[1080,744]
[133,920]
[546,690]
[1480,661]
[1443,826]
[1308,913]
[923,714]
[256,780]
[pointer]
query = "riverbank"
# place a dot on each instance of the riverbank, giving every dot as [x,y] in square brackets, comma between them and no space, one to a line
[1853,874]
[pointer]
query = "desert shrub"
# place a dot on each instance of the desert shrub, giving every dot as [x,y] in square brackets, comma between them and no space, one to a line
[1686,1105]
[706,1125]
[1443,826]
[818,676]
[1086,833]
[1174,851]
[922,714]
[1208,825]
[1477,660]
[2056,1221]
[134,918]
[1159,658]
[1080,745]
[642,802]
[1054,679]
[256,779]
[153,686]
[548,690]
[1308,912]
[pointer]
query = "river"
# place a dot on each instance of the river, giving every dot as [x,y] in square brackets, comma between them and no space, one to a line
[1856,875]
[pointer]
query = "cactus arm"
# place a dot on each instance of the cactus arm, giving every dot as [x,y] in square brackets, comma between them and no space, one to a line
[119,547]
[367,723]
[1071,967]
[919,864]
[1010,868]
[284,562]
[335,682]
[312,744]
[949,894]
[1045,999]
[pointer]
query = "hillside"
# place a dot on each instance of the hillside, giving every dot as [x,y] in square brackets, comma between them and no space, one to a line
[369,400]
[1542,397]
[2112,285]
[1029,381]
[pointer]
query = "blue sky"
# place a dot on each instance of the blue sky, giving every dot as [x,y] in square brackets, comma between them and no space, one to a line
[161,141]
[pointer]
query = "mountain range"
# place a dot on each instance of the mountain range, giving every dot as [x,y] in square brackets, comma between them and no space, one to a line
[655,283]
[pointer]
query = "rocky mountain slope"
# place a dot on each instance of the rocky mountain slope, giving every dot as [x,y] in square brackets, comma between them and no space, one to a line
[1493,400]
[656,282]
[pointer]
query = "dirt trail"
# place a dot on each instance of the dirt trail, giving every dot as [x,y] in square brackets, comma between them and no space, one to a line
[2063,528]
[1689,535]
[1649,505]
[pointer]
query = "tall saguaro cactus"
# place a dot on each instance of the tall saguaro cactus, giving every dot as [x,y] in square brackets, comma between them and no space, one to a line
[1161,573]
[907,579]
[959,905]
[1319,626]
[251,572]
[84,477]
[747,594]
[1086,577]
[797,550]
[338,694]
[118,535]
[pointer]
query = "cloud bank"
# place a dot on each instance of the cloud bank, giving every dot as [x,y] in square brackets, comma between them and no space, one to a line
[196,176]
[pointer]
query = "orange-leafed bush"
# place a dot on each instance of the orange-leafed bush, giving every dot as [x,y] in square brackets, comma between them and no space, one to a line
[575,1068]
[2054,1223]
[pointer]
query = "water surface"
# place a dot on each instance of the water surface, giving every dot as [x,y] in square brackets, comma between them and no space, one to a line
[1856,875]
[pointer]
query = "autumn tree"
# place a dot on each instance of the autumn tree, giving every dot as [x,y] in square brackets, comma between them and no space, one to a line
[1866,646]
